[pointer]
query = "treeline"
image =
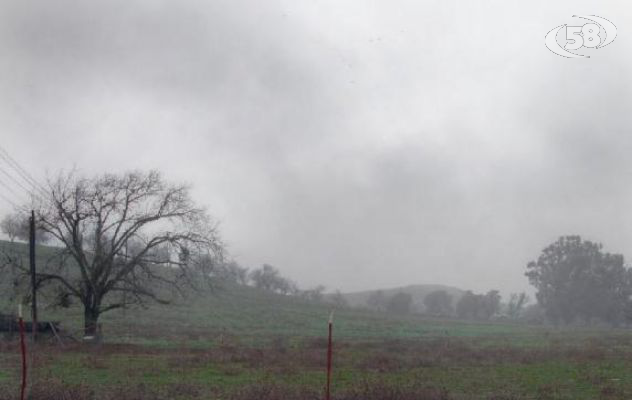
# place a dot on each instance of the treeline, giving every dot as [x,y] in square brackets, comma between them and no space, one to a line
[440,303]
[269,279]
[576,282]
[399,303]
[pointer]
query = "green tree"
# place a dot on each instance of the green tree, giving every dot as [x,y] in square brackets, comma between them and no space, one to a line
[490,303]
[438,302]
[400,303]
[467,306]
[478,306]
[575,279]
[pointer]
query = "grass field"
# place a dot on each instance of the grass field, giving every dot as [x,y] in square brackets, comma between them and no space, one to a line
[239,343]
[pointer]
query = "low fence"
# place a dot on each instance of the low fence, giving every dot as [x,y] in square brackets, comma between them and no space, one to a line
[25,364]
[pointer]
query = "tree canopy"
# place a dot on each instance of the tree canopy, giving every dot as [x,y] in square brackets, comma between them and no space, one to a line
[478,306]
[438,302]
[400,303]
[575,279]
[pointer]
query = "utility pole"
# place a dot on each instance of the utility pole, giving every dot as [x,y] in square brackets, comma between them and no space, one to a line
[32,265]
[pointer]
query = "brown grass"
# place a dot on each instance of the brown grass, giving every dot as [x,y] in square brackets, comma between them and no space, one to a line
[57,390]
[280,358]
[363,391]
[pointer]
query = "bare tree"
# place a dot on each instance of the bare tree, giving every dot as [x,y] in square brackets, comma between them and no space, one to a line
[516,304]
[338,300]
[232,272]
[314,295]
[125,239]
[16,226]
[377,301]
[269,278]
[11,225]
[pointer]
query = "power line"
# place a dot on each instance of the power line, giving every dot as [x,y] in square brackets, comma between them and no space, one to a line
[3,197]
[22,172]
[10,189]
[31,194]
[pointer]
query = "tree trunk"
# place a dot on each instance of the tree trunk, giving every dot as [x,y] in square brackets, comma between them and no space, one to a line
[90,319]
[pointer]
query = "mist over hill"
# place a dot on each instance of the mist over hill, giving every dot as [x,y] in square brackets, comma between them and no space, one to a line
[418,293]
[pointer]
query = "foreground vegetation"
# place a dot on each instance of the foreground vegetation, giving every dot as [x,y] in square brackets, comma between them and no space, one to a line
[438,368]
[242,344]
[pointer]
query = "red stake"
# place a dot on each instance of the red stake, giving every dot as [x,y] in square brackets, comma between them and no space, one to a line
[329,357]
[23,349]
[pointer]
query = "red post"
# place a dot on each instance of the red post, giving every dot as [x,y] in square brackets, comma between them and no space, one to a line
[32,267]
[329,357]
[23,350]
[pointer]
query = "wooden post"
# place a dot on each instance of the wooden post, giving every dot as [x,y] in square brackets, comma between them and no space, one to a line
[33,272]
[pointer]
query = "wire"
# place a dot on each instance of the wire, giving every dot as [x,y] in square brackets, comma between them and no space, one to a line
[8,200]
[23,173]
[19,169]
[31,193]
[10,189]
[3,197]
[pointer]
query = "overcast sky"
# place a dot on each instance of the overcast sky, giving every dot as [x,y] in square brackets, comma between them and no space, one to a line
[357,144]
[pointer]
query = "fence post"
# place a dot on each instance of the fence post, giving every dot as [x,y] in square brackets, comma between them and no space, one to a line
[329,356]
[23,351]
[33,274]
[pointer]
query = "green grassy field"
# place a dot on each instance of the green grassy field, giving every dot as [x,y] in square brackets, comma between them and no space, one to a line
[240,339]
[238,343]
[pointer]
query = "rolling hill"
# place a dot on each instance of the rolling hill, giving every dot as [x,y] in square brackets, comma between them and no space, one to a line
[418,293]
[248,314]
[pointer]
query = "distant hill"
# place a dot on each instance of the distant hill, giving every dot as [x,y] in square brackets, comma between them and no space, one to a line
[418,292]
[246,313]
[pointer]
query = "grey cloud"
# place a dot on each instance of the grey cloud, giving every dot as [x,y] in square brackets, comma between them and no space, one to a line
[351,144]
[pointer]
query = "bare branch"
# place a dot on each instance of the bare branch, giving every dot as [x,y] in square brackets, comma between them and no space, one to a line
[126,234]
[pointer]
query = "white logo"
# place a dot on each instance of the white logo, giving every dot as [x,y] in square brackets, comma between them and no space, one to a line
[593,35]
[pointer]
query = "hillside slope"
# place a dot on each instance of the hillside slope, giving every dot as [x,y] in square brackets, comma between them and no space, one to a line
[248,315]
[418,293]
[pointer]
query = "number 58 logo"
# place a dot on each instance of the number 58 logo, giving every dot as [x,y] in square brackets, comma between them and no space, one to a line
[593,35]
